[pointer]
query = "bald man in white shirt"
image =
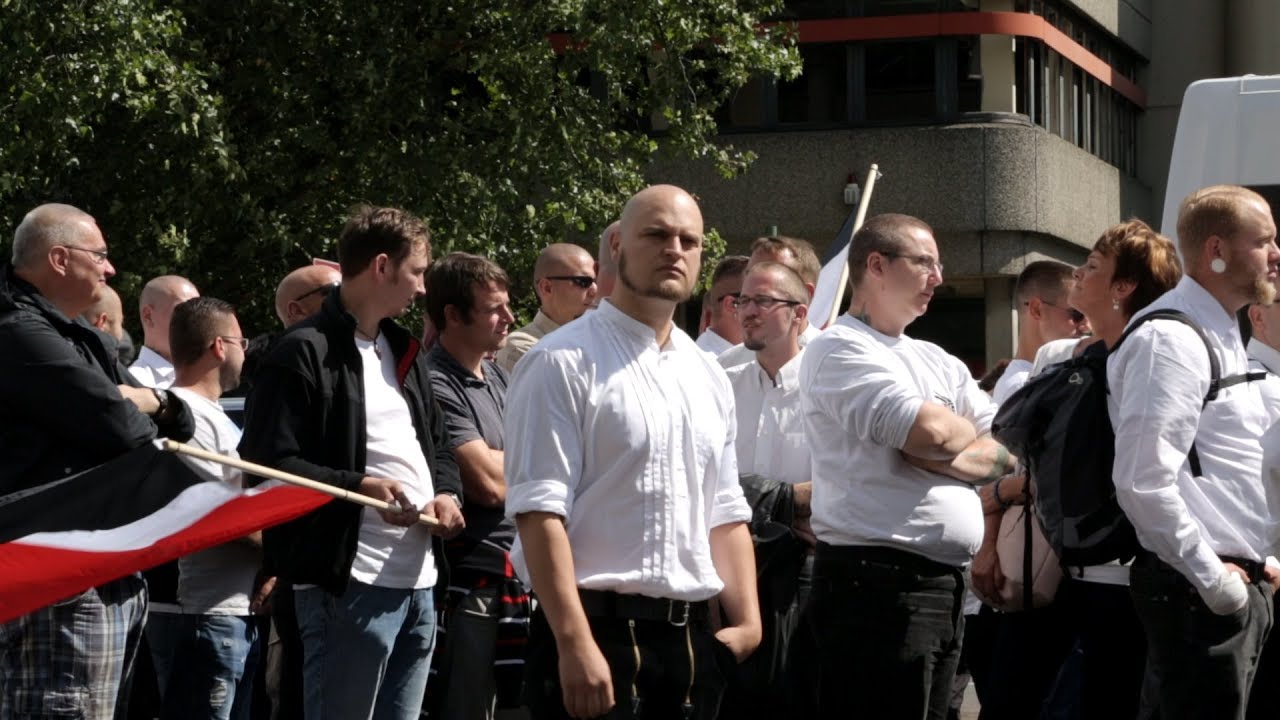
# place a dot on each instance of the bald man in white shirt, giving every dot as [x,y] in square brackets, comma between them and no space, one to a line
[621,477]
[154,366]
[1188,470]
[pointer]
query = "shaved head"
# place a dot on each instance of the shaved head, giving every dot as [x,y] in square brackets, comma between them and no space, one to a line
[107,314]
[159,296]
[560,259]
[661,240]
[604,257]
[46,226]
[298,284]
[652,198]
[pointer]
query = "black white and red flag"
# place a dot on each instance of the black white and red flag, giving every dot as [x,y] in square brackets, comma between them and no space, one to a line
[137,511]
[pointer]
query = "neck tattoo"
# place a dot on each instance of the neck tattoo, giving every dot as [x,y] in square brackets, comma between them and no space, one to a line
[377,351]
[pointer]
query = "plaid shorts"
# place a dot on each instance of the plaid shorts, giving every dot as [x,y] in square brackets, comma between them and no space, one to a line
[74,658]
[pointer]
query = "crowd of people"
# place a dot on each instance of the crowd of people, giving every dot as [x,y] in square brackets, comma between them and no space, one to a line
[598,515]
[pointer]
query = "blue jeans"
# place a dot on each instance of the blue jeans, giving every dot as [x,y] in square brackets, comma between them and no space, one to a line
[212,676]
[366,653]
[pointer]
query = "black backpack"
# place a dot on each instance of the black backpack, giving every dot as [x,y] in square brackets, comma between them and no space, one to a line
[1058,425]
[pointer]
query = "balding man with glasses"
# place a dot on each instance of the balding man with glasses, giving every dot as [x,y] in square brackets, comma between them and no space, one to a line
[564,276]
[69,406]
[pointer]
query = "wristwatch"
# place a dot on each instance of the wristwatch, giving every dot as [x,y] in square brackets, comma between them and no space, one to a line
[162,397]
[454,497]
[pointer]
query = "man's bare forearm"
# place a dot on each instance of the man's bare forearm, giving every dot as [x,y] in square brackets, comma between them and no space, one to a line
[550,561]
[734,558]
[980,463]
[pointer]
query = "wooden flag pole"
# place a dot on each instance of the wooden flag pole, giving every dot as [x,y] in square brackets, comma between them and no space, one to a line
[272,473]
[858,219]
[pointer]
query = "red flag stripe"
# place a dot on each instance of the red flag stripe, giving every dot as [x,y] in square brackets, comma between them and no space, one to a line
[35,575]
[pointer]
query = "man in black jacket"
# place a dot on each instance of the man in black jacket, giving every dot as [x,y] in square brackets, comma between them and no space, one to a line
[345,398]
[69,406]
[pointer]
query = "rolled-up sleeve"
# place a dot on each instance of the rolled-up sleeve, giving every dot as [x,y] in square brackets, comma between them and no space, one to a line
[543,431]
[728,503]
[858,386]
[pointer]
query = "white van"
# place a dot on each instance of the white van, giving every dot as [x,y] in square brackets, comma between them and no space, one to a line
[1228,133]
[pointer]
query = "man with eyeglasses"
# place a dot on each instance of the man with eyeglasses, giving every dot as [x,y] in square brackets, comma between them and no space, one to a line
[800,257]
[900,437]
[719,324]
[774,469]
[1043,316]
[218,650]
[68,406]
[564,276]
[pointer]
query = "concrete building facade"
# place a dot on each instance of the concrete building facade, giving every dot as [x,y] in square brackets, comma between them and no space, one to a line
[1019,129]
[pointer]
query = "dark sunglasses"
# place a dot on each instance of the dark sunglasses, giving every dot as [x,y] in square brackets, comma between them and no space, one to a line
[324,291]
[582,281]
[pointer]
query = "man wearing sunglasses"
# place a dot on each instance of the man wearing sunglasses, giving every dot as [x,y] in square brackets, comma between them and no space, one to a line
[302,292]
[564,276]
[1043,316]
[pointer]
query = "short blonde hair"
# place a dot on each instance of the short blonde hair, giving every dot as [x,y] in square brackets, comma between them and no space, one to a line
[1216,210]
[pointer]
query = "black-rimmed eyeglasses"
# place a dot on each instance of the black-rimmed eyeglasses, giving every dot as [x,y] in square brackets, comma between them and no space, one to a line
[1073,314]
[580,281]
[99,256]
[764,302]
[323,291]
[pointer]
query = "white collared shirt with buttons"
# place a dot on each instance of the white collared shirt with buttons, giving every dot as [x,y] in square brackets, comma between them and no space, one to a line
[152,370]
[1158,379]
[631,443]
[1267,359]
[771,440]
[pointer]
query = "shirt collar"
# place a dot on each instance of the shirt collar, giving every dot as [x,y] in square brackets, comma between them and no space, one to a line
[543,323]
[447,363]
[151,359]
[638,330]
[788,375]
[1265,354]
[1198,298]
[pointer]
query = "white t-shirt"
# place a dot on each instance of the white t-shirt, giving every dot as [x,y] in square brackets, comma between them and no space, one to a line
[219,580]
[632,444]
[771,440]
[860,392]
[388,555]
[1014,377]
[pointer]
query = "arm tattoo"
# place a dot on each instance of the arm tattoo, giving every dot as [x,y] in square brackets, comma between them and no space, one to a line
[999,465]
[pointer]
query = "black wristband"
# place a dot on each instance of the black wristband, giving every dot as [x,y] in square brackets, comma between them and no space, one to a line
[162,397]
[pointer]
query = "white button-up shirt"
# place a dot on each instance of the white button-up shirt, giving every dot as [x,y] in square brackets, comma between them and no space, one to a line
[1158,379]
[860,392]
[712,342]
[1267,359]
[152,370]
[633,444]
[771,440]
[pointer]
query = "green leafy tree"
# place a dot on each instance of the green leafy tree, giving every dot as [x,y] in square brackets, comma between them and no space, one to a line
[226,140]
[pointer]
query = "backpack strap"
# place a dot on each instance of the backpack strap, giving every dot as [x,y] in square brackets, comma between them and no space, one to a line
[1216,381]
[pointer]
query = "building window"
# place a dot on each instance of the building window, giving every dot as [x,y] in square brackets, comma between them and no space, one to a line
[900,81]
[820,95]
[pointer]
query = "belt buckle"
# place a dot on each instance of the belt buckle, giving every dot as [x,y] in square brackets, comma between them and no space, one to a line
[684,618]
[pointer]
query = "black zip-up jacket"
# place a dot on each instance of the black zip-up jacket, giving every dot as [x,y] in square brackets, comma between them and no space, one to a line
[61,411]
[306,415]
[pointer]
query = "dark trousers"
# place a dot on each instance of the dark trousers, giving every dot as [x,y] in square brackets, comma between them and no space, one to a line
[1265,697]
[1199,664]
[1102,677]
[665,677]
[1024,651]
[888,625]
